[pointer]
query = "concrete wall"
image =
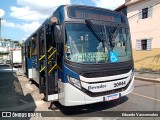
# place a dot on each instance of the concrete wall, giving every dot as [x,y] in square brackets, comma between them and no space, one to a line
[149,60]
[144,28]
[148,28]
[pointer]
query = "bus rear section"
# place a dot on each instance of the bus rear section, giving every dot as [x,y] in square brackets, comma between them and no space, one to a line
[82,55]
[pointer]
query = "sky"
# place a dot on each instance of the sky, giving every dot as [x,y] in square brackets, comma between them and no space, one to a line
[23,17]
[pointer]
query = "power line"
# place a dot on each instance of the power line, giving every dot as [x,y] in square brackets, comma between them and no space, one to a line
[36,13]
[153,30]
[141,11]
[44,10]
[12,38]
[19,19]
[130,20]
[28,20]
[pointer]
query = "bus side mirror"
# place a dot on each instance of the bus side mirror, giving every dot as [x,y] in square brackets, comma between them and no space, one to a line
[58,34]
[54,20]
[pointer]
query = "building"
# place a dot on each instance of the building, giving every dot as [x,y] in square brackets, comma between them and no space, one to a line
[144,22]
[6,46]
[122,9]
[144,17]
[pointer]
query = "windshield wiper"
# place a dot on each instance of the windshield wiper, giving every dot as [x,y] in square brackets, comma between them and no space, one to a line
[96,32]
[113,36]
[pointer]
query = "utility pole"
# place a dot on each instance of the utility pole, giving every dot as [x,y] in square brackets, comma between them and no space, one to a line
[1,15]
[0,28]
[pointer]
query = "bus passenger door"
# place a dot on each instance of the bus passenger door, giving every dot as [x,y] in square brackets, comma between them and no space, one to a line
[47,60]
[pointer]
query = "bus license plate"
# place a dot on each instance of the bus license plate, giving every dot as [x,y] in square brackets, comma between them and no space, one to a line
[112,97]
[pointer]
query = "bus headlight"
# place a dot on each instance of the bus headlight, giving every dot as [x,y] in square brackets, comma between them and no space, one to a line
[74,82]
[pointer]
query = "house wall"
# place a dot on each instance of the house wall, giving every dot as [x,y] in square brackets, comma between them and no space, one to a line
[148,28]
[145,28]
[6,47]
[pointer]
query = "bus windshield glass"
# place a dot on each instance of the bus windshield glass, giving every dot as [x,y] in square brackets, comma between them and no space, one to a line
[83,46]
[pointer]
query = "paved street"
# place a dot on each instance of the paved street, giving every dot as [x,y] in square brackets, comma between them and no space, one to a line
[145,97]
[10,90]
[18,92]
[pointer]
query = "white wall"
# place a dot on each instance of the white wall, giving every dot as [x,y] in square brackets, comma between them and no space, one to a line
[7,46]
[144,28]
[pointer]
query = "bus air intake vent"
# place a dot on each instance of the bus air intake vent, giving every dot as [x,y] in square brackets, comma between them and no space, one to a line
[105,73]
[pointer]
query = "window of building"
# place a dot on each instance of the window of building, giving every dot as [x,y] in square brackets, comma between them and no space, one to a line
[144,13]
[144,44]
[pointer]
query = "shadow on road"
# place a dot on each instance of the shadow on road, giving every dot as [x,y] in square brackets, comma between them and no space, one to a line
[90,109]
[11,94]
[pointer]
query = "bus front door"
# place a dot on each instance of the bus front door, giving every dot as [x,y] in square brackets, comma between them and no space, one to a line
[47,64]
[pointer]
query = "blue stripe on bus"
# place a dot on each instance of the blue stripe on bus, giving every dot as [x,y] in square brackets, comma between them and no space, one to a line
[67,72]
[70,73]
[29,63]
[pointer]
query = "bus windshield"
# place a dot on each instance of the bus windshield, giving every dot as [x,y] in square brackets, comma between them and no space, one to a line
[83,46]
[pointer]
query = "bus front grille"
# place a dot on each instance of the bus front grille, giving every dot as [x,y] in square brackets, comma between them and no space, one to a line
[105,73]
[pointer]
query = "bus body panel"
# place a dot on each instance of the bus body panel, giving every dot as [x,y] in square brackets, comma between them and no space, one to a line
[29,67]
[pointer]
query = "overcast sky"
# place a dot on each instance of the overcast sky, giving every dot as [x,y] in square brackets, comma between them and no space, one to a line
[23,17]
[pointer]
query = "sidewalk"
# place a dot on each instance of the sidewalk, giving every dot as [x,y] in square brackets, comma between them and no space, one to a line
[31,88]
[147,76]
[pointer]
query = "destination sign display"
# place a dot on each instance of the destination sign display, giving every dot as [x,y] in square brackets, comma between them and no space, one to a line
[94,14]
[92,57]
[87,15]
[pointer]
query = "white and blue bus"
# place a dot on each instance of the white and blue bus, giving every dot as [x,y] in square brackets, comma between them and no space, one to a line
[81,55]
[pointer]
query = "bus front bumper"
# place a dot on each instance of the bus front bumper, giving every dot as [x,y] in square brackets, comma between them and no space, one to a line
[73,96]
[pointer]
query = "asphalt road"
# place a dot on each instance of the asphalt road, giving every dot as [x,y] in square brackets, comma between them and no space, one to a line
[8,92]
[11,94]
[145,97]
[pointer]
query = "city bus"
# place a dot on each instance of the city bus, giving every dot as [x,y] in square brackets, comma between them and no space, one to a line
[81,55]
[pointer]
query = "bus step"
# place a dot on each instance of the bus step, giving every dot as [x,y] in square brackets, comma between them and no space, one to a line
[43,89]
[53,97]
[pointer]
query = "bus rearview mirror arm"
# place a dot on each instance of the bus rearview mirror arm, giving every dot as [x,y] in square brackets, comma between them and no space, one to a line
[54,20]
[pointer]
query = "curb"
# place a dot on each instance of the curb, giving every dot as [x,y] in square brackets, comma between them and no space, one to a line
[147,79]
[152,72]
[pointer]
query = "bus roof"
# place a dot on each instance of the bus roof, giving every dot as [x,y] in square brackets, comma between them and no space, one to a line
[96,13]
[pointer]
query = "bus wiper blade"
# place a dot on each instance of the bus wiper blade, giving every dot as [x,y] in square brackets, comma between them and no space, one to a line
[94,30]
[113,36]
